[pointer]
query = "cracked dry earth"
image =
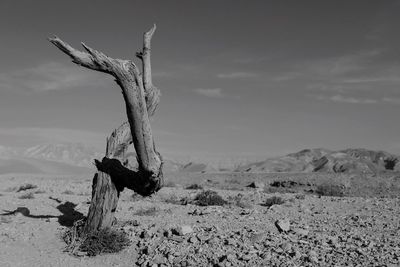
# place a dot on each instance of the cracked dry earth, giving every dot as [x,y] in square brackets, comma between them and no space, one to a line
[306,230]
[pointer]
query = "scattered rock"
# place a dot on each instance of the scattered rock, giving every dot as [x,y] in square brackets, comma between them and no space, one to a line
[182,230]
[312,256]
[283,225]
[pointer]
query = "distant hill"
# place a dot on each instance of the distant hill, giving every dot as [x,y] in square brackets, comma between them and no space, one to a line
[69,153]
[37,166]
[66,158]
[323,160]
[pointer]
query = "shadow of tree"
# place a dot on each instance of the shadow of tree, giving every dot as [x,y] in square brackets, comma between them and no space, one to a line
[69,214]
[68,217]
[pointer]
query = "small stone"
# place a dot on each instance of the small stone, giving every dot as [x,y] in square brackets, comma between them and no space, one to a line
[193,240]
[144,234]
[247,257]
[283,225]
[231,257]
[167,233]
[312,256]
[182,230]
[287,247]
[134,223]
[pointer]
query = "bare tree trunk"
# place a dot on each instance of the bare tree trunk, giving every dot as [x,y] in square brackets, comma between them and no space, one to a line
[141,100]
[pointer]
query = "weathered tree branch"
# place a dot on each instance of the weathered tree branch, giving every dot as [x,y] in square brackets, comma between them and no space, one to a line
[93,60]
[141,100]
[152,92]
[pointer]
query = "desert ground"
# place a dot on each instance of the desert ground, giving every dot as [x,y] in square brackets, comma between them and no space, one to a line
[269,219]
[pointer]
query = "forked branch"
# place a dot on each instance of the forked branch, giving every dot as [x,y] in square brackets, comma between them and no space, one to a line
[91,59]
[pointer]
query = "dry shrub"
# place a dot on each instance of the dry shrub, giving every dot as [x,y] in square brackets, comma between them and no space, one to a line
[194,187]
[209,198]
[27,196]
[96,243]
[269,202]
[26,187]
[329,189]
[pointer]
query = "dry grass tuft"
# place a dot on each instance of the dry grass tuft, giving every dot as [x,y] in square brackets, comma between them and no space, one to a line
[209,198]
[101,242]
[27,196]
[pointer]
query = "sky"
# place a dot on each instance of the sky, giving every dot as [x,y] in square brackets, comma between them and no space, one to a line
[238,78]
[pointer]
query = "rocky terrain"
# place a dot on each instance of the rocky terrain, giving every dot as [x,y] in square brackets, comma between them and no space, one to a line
[267,220]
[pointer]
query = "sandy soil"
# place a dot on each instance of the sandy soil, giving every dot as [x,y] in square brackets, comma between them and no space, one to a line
[306,230]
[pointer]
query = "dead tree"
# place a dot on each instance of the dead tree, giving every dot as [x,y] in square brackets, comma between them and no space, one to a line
[141,100]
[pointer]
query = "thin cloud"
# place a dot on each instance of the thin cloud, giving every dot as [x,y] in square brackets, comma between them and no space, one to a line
[392,100]
[236,75]
[210,92]
[345,99]
[47,77]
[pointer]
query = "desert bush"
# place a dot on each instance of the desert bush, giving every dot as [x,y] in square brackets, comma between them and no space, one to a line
[68,192]
[26,187]
[194,187]
[147,212]
[329,189]
[209,198]
[101,242]
[269,202]
[27,196]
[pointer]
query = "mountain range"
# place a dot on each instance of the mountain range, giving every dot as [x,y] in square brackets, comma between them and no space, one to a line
[66,158]
[323,160]
[73,158]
